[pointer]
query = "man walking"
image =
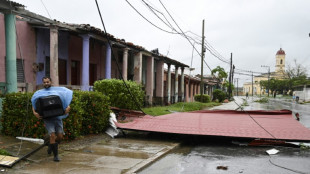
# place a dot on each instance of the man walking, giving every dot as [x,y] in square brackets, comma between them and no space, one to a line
[53,125]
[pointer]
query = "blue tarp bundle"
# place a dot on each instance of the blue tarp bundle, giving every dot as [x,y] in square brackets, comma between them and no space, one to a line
[64,93]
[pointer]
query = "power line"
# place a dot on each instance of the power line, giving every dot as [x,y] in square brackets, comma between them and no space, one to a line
[211,49]
[152,10]
[250,71]
[183,33]
[148,20]
[117,65]
[190,39]
[46,9]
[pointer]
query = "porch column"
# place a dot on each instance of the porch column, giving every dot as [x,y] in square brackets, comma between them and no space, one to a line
[138,67]
[125,63]
[198,89]
[169,84]
[187,91]
[176,84]
[85,63]
[108,62]
[182,84]
[160,80]
[191,91]
[150,78]
[10,43]
[54,55]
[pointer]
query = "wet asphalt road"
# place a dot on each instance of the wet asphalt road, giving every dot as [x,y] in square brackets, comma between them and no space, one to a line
[200,155]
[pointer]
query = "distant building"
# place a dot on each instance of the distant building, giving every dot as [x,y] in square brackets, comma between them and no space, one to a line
[278,74]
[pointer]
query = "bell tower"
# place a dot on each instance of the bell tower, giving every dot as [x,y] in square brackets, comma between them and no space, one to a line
[280,61]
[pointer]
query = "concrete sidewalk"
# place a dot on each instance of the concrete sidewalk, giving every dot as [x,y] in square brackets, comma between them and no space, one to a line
[91,154]
[232,105]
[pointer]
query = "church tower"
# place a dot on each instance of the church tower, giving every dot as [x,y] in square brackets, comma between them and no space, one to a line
[280,61]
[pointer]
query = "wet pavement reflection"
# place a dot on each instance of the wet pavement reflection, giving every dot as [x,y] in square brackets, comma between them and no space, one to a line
[201,154]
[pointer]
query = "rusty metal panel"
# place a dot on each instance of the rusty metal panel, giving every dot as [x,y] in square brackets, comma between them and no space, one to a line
[278,125]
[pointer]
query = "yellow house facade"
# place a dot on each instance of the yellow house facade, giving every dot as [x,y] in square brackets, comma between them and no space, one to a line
[279,73]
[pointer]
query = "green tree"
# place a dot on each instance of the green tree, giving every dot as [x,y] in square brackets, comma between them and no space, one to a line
[220,74]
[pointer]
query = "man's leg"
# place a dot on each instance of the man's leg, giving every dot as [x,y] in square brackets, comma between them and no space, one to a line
[56,139]
[59,138]
[50,137]
[54,146]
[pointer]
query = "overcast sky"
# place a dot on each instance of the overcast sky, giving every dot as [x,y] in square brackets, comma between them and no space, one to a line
[252,30]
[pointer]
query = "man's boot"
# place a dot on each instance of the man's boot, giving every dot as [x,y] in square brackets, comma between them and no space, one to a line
[55,151]
[47,143]
[49,149]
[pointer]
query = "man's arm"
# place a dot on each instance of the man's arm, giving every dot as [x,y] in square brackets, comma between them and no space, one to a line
[36,114]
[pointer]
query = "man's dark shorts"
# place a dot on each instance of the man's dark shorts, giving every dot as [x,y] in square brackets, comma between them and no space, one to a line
[54,125]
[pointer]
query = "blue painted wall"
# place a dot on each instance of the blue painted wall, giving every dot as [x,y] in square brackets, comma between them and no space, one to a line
[43,49]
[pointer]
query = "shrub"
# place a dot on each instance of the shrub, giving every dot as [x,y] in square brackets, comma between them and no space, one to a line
[17,117]
[96,112]
[205,98]
[73,123]
[89,114]
[119,95]
[219,95]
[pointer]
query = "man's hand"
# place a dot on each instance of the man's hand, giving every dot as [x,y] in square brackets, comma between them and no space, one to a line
[67,110]
[36,114]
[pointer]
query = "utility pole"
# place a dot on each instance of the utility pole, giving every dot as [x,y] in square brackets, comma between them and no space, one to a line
[252,85]
[237,86]
[268,80]
[202,57]
[230,77]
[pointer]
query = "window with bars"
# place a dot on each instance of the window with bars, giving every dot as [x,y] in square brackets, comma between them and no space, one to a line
[20,70]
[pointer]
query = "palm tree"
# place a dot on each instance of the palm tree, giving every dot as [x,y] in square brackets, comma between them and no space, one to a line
[220,74]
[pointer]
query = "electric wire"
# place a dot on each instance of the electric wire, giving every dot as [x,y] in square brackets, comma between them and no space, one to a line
[46,9]
[169,24]
[183,34]
[152,10]
[207,45]
[250,71]
[189,81]
[295,171]
[149,20]
[117,64]
[211,49]
[255,120]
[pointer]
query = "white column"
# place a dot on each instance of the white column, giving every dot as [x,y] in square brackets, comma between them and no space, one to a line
[125,63]
[182,83]
[54,55]
[169,84]
[176,84]
[160,79]
[138,68]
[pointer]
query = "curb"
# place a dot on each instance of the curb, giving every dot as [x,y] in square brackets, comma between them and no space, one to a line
[145,163]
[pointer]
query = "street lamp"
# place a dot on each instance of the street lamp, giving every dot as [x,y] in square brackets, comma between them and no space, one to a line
[268,76]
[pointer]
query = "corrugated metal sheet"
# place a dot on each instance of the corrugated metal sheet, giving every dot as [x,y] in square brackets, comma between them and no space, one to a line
[251,124]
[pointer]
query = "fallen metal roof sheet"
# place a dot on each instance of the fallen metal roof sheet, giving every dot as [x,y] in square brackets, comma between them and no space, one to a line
[278,124]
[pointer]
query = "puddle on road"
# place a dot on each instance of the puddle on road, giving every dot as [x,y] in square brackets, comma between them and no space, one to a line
[114,151]
[278,104]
